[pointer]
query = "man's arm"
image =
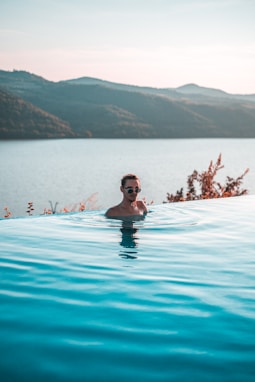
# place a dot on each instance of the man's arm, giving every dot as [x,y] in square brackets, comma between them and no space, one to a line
[143,207]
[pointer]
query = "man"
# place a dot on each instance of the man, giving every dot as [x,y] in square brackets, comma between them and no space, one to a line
[130,206]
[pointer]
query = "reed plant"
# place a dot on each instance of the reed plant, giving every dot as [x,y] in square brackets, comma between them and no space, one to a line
[30,208]
[89,204]
[7,213]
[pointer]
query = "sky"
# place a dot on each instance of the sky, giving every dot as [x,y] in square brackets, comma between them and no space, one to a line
[158,43]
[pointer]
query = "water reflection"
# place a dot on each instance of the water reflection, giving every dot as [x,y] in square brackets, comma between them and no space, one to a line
[129,237]
[129,240]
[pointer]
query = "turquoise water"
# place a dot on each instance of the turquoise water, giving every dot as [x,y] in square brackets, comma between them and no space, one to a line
[169,298]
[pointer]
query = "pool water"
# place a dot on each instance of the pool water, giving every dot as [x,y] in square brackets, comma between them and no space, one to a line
[167,298]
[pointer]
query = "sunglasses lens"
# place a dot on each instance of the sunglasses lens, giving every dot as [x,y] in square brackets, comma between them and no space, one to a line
[131,190]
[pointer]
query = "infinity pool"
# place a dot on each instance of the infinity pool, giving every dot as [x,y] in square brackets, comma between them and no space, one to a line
[168,298]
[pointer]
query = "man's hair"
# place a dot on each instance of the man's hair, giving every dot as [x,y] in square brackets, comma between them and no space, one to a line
[127,177]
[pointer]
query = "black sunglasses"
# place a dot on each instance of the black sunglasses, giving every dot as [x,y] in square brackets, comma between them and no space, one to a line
[130,190]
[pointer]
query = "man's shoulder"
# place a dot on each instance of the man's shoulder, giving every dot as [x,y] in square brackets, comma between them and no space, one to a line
[113,211]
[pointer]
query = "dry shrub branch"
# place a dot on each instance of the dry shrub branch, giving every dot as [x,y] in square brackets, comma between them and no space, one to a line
[209,188]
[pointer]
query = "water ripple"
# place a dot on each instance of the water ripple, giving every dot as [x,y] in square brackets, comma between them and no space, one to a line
[170,297]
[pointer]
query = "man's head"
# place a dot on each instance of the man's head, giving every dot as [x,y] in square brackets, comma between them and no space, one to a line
[130,186]
[127,177]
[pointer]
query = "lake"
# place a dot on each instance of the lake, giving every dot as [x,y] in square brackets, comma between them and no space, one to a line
[71,171]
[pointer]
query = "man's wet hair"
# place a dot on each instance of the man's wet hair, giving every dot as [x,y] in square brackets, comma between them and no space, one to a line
[128,177]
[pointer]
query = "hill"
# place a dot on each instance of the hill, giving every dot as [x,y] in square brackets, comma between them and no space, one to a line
[90,107]
[21,120]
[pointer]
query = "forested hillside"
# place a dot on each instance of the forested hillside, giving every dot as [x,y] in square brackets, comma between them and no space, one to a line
[92,108]
[21,120]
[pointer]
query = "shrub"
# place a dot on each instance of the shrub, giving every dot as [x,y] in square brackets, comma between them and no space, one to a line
[209,187]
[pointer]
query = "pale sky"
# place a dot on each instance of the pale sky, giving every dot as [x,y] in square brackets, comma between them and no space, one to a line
[158,43]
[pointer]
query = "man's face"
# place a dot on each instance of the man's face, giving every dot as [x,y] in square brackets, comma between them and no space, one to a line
[131,189]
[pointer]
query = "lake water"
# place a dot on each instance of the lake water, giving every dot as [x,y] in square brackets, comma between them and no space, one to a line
[71,171]
[168,298]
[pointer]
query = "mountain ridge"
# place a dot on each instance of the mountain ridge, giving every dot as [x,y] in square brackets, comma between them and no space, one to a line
[190,88]
[95,108]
